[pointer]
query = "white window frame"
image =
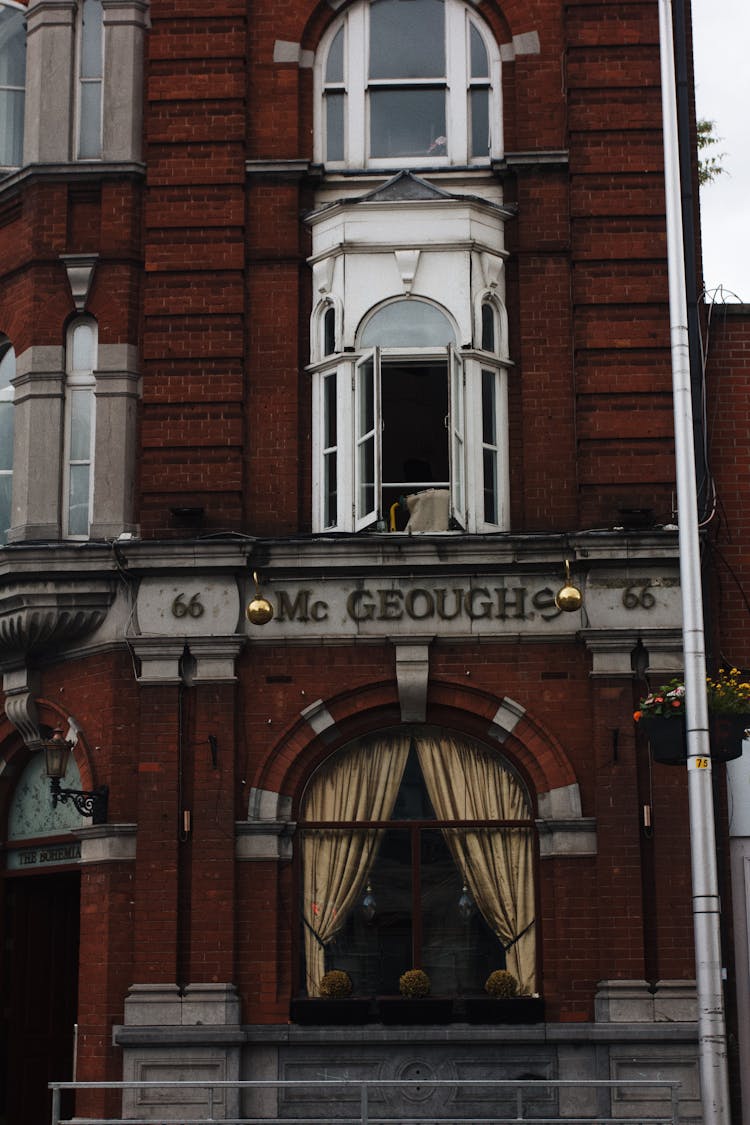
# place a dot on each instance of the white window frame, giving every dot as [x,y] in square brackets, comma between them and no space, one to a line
[84,81]
[79,381]
[11,4]
[458,83]
[466,446]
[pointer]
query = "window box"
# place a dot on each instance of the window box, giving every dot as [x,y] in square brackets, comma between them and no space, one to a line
[516,1009]
[415,1010]
[668,739]
[318,1010]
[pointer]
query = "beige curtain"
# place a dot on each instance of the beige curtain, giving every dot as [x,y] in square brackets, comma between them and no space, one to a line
[361,784]
[466,783]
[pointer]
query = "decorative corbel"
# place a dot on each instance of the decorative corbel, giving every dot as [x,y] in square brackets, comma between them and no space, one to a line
[407,262]
[80,269]
[20,687]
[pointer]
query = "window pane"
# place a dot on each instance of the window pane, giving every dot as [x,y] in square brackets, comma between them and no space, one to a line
[479,65]
[6,485]
[78,510]
[335,126]
[80,425]
[488,408]
[479,107]
[11,128]
[82,358]
[330,505]
[407,122]
[12,47]
[366,398]
[408,324]
[366,476]
[335,62]
[6,436]
[407,39]
[7,365]
[329,331]
[489,459]
[488,328]
[329,409]
[91,39]
[90,142]
[458,954]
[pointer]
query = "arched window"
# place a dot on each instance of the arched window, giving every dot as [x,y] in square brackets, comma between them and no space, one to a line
[12,83]
[79,427]
[407,83]
[7,374]
[417,851]
[90,73]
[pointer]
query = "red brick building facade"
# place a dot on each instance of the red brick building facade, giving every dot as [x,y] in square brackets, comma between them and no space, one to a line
[274,276]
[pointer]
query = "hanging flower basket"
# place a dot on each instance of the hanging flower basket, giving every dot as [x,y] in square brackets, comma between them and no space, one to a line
[668,738]
[662,717]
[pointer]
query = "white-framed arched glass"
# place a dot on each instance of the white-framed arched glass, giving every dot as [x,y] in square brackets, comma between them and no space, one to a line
[407,84]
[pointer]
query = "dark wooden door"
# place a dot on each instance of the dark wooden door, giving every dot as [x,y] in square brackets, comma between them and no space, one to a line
[39,996]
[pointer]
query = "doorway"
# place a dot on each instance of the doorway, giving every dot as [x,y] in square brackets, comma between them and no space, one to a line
[39,970]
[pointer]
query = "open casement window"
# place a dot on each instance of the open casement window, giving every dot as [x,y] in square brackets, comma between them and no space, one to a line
[417,850]
[409,446]
[407,82]
[7,373]
[12,83]
[79,428]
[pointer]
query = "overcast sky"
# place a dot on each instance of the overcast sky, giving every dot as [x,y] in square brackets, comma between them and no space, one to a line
[721,36]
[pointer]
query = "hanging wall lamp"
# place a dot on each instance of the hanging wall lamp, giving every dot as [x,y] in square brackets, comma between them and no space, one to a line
[92,802]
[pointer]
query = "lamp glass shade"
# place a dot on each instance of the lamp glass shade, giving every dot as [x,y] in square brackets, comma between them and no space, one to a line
[56,755]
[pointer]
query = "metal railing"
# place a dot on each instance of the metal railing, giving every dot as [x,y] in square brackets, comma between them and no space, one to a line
[521,1087]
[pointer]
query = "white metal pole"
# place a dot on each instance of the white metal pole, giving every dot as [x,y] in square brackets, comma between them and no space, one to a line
[706,906]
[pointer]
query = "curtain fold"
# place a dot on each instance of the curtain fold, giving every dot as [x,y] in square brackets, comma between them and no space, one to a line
[359,785]
[466,783]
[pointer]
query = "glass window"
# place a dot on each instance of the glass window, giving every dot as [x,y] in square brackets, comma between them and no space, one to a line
[12,83]
[90,76]
[7,373]
[79,428]
[408,324]
[417,852]
[407,82]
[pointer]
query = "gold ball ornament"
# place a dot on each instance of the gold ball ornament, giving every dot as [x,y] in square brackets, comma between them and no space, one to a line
[569,599]
[259,611]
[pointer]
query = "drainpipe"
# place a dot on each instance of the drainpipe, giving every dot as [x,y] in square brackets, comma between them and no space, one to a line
[712,1045]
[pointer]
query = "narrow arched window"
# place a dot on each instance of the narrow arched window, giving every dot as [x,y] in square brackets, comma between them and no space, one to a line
[12,83]
[329,331]
[90,74]
[79,427]
[7,374]
[488,327]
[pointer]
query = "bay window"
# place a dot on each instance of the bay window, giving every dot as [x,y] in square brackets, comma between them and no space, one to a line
[409,432]
[12,83]
[417,851]
[408,82]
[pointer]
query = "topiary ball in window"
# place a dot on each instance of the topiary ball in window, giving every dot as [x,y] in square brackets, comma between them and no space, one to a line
[501,984]
[415,983]
[335,985]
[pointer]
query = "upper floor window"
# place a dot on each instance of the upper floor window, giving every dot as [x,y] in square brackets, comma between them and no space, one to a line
[417,851]
[79,427]
[422,424]
[90,72]
[408,82]
[7,374]
[12,82]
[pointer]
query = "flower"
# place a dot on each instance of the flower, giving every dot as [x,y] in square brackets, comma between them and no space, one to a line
[726,693]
